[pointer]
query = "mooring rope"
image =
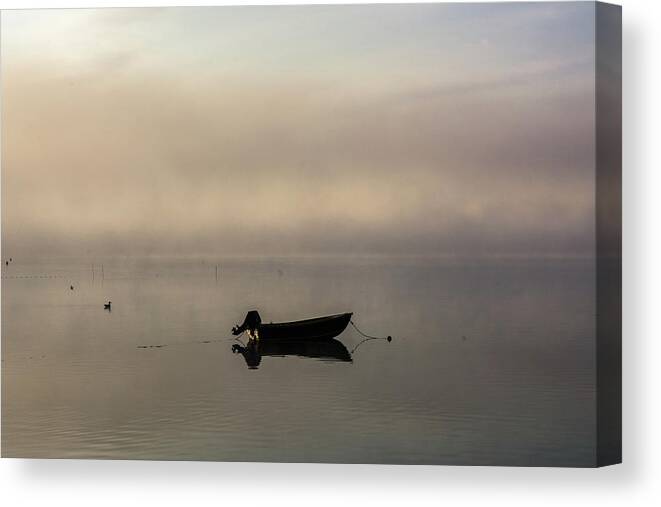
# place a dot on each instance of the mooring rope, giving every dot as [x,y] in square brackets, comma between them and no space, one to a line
[367,337]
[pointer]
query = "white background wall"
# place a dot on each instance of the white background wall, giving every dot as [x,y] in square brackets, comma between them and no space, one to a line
[636,482]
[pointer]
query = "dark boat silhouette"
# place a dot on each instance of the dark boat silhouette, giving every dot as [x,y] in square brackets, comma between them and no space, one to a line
[324,350]
[319,329]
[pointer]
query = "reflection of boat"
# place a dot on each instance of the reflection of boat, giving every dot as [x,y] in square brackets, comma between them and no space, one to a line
[320,328]
[325,350]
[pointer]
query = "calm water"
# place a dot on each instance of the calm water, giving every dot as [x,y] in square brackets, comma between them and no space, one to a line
[491,362]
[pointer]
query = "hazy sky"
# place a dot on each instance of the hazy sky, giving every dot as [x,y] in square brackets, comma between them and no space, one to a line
[428,129]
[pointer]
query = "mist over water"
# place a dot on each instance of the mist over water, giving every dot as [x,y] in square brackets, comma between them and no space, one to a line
[423,129]
[490,362]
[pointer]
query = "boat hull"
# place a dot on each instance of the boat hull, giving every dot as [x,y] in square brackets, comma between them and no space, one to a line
[322,328]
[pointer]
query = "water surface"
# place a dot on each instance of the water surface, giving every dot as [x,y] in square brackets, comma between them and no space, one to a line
[492,362]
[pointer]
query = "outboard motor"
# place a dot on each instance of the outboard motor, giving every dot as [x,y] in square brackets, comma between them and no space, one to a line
[251,323]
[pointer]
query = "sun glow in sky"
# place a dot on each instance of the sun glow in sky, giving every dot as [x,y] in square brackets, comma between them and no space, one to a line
[404,129]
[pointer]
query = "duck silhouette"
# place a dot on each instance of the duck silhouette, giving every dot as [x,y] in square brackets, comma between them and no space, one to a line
[106,306]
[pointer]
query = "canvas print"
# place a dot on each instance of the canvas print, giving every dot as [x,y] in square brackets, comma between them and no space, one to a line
[329,233]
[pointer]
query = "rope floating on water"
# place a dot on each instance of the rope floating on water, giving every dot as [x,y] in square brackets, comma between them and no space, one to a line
[196,342]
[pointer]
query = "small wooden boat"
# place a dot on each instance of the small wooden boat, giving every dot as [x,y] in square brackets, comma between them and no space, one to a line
[320,328]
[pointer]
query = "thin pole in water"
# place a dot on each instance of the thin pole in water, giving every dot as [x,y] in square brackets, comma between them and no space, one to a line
[216,272]
[92,272]
[103,276]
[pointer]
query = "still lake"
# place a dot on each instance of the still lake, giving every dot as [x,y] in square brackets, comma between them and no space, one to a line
[492,361]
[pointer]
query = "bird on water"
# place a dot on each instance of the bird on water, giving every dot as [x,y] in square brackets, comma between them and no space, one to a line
[106,306]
